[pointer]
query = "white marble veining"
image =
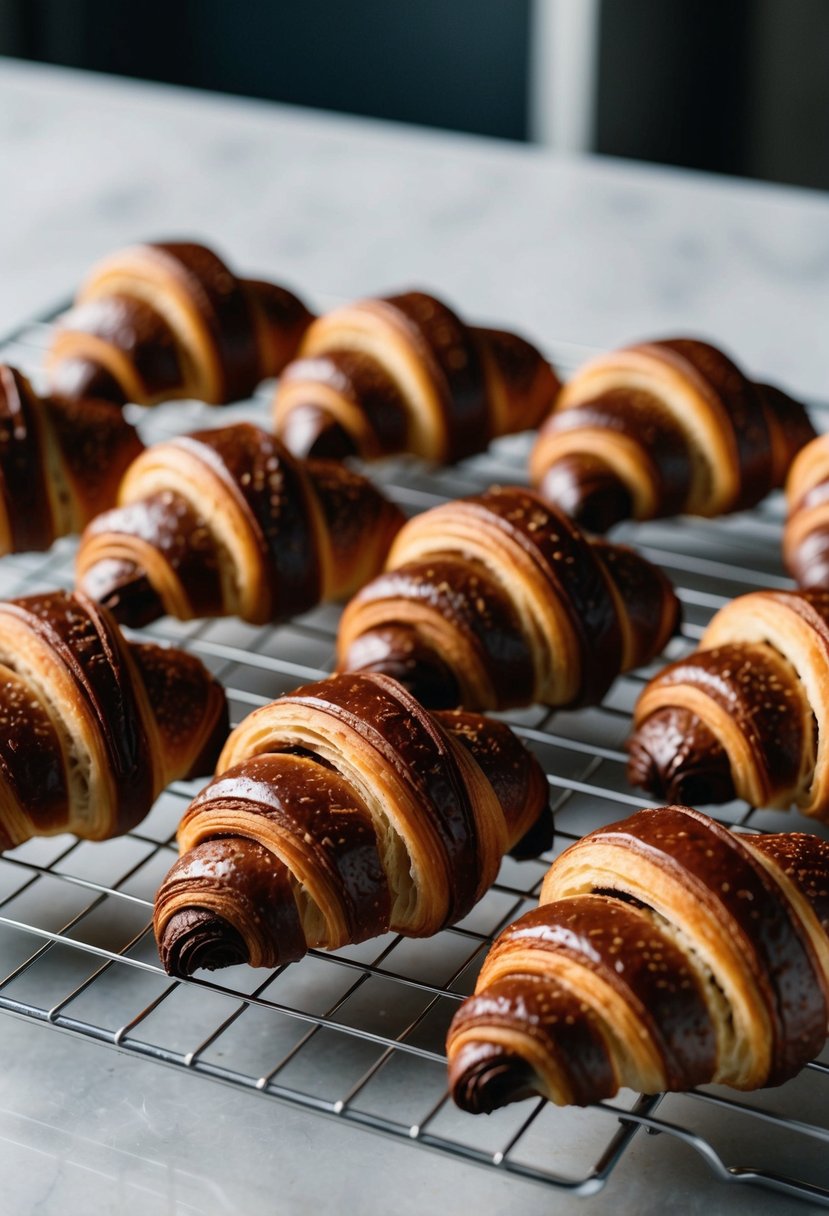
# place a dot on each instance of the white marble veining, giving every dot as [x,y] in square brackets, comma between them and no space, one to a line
[584,251]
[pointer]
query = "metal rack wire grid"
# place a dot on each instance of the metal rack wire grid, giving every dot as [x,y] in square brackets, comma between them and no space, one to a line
[358,1035]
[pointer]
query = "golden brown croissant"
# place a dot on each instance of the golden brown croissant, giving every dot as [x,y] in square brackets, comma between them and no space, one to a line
[60,463]
[405,374]
[227,522]
[667,952]
[339,812]
[806,535]
[94,727]
[665,428]
[747,714]
[160,321]
[499,600]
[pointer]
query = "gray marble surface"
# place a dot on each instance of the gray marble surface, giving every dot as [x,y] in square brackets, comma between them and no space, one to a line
[588,251]
[583,251]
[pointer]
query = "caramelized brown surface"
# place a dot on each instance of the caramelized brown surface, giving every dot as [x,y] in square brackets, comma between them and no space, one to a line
[405,373]
[665,952]
[59,464]
[94,727]
[665,428]
[227,522]
[742,717]
[806,534]
[355,811]
[500,600]
[167,320]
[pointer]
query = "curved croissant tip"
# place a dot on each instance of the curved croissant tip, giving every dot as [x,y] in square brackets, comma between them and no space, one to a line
[483,1078]
[398,651]
[125,590]
[808,562]
[72,380]
[195,939]
[311,434]
[676,759]
[587,490]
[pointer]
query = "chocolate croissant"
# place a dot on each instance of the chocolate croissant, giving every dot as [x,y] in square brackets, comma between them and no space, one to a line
[60,463]
[806,535]
[160,321]
[405,374]
[744,716]
[340,812]
[667,953]
[500,600]
[94,727]
[665,428]
[227,522]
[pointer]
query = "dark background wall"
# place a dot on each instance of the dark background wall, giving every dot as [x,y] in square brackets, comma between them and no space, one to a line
[447,63]
[734,86]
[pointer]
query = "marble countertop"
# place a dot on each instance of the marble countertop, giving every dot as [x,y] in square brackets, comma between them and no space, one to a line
[585,251]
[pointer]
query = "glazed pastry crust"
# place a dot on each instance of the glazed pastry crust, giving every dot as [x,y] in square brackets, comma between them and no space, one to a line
[227,522]
[667,952]
[94,727]
[663,428]
[806,534]
[512,601]
[373,814]
[160,321]
[60,463]
[758,691]
[405,373]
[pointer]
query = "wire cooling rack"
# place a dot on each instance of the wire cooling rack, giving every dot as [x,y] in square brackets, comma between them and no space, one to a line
[358,1035]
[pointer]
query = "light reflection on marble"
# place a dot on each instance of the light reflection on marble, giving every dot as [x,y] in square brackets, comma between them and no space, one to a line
[587,252]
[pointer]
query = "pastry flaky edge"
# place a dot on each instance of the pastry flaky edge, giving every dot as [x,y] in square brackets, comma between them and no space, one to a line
[499,600]
[227,522]
[746,715]
[665,428]
[339,812]
[404,373]
[806,532]
[94,726]
[60,463]
[166,320]
[667,952]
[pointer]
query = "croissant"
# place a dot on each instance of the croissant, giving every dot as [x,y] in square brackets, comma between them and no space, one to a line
[94,727]
[339,812]
[665,428]
[227,522]
[747,714]
[667,952]
[499,600]
[806,535]
[159,321]
[405,374]
[60,463]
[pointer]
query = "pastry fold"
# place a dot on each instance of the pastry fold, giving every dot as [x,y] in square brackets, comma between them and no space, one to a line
[665,428]
[339,812]
[747,714]
[227,522]
[667,952]
[94,727]
[406,374]
[806,534]
[60,463]
[500,600]
[160,321]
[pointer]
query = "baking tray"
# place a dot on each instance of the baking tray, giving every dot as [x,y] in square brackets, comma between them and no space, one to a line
[358,1035]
